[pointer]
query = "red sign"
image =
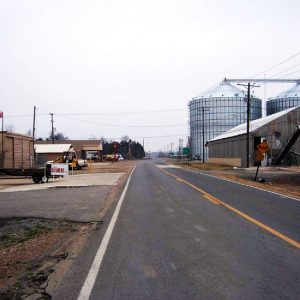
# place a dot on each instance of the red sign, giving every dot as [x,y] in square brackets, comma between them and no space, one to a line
[1,114]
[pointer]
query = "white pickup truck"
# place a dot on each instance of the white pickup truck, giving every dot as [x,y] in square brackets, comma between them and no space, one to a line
[81,163]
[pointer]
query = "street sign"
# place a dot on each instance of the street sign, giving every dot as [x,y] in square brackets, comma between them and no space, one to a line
[186,151]
[59,169]
[263,148]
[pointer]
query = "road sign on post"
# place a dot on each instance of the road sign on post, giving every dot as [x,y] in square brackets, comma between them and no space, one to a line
[186,151]
[263,147]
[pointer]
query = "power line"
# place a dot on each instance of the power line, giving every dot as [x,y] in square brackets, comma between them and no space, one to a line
[146,137]
[122,113]
[273,67]
[122,125]
[292,73]
[24,116]
[290,68]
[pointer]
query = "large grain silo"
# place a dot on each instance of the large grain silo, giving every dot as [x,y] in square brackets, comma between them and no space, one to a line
[216,111]
[285,100]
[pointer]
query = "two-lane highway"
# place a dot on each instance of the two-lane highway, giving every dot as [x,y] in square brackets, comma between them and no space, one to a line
[175,238]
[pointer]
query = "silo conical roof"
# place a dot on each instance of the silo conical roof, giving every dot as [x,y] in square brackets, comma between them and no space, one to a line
[225,89]
[293,92]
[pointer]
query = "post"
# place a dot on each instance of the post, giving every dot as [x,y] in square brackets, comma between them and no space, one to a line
[256,173]
[52,128]
[33,134]
[248,124]
[2,150]
[203,155]
[248,120]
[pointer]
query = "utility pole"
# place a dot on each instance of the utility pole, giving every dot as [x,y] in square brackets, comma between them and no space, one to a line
[203,155]
[33,134]
[2,137]
[249,85]
[33,127]
[203,109]
[52,128]
[248,122]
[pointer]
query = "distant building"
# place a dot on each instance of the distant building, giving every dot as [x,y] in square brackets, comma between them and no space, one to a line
[84,148]
[47,152]
[17,150]
[278,129]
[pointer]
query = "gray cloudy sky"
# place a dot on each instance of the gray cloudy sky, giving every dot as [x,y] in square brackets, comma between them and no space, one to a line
[104,61]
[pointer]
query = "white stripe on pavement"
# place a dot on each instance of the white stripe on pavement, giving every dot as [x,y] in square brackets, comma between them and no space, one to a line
[92,275]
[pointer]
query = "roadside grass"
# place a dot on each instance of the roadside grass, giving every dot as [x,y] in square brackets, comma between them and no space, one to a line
[21,236]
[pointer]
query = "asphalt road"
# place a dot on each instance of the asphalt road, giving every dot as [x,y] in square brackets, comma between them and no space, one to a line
[174,240]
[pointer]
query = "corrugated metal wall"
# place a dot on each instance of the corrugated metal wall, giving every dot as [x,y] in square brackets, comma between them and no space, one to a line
[277,133]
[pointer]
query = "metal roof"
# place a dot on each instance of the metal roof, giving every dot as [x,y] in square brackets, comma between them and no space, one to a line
[254,125]
[52,148]
[224,89]
[293,92]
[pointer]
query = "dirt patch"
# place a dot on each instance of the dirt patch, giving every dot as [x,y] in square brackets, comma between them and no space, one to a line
[26,245]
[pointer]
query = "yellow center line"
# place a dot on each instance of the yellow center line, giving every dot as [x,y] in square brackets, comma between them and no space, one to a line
[217,201]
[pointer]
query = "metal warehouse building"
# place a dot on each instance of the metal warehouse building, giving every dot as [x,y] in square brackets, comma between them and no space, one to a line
[281,130]
[216,111]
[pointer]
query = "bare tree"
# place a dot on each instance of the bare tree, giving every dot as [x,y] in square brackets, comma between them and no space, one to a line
[10,127]
[125,138]
[29,132]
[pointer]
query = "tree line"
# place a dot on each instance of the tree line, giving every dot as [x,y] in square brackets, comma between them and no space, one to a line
[129,149]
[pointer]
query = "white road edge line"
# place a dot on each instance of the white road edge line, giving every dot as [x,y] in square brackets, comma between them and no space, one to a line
[244,184]
[94,270]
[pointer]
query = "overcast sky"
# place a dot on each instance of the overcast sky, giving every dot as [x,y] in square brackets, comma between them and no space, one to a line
[129,67]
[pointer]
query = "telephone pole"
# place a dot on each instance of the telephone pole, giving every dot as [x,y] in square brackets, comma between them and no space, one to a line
[52,129]
[249,85]
[33,133]
[33,127]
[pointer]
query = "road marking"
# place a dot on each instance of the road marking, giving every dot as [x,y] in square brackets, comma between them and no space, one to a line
[168,167]
[94,270]
[244,184]
[206,195]
[173,266]
[238,212]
